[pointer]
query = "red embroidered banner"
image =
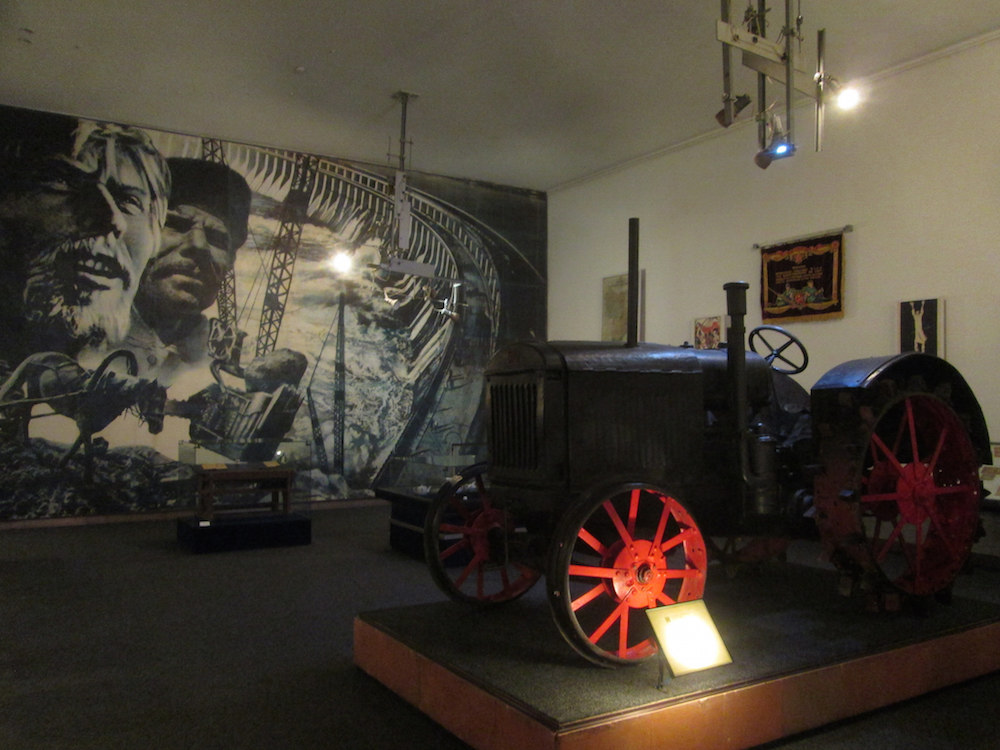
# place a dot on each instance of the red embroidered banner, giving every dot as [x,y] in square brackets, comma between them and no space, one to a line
[803,279]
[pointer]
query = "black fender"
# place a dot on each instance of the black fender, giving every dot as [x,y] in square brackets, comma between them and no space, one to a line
[869,381]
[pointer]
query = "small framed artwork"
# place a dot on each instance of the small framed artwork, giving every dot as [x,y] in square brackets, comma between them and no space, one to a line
[990,474]
[921,326]
[708,332]
[614,308]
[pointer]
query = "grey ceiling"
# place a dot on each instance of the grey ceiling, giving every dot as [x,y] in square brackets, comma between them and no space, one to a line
[530,93]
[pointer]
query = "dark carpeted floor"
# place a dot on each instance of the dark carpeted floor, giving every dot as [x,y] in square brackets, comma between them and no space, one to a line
[115,636]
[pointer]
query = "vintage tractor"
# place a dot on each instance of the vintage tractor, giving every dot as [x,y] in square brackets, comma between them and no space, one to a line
[613,468]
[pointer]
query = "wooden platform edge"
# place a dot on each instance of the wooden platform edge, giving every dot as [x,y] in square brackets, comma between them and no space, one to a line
[729,720]
[466,710]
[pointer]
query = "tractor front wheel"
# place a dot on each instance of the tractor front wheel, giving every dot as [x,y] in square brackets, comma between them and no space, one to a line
[615,554]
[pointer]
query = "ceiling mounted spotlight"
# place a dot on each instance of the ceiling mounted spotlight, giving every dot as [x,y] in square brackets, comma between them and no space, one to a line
[777,143]
[736,106]
[779,148]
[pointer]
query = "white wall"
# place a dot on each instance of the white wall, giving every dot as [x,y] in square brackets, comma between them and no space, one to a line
[915,170]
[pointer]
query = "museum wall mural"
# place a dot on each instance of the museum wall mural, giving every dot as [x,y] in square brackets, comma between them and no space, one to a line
[170,300]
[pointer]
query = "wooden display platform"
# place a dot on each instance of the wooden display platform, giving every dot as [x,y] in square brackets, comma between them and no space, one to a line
[803,657]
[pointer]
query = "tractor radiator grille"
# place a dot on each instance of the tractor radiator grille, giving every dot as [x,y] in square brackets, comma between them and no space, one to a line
[514,425]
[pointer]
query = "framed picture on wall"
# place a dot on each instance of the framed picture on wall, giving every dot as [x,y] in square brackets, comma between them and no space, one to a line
[708,332]
[614,307]
[921,326]
[990,474]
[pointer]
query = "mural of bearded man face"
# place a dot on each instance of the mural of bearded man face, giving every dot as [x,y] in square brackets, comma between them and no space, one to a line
[206,223]
[87,223]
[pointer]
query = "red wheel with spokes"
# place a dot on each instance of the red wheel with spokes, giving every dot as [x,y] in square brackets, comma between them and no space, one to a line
[912,515]
[475,550]
[615,554]
[919,503]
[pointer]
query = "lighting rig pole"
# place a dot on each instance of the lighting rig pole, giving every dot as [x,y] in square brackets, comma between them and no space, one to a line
[789,33]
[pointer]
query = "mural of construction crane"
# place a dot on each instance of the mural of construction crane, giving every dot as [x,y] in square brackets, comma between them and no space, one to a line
[429,282]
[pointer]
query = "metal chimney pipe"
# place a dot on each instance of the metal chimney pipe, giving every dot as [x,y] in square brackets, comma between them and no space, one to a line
[632,321]
[736,365]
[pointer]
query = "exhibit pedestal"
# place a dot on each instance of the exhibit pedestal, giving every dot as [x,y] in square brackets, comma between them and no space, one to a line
[802,657]
[406,520]
[247,532]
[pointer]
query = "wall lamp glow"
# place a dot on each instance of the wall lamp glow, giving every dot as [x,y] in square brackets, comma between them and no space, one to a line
[848,97]
[342,262]
[687,637]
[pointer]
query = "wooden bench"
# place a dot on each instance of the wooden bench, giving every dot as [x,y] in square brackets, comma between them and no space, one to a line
[222,480]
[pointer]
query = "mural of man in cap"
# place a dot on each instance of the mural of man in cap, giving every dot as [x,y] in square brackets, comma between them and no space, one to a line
[206,223]
[81,208]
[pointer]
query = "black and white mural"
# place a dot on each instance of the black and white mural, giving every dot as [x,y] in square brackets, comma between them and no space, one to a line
[170,300]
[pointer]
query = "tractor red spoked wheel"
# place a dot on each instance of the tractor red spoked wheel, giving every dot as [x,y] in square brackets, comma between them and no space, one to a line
[918,506]
[473,548]
[614,555]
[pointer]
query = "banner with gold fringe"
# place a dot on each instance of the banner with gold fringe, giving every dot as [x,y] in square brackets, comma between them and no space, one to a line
[803,279]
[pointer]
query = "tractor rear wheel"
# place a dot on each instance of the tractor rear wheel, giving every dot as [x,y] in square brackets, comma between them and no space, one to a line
[615,554]
[474,549]
[907,513]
